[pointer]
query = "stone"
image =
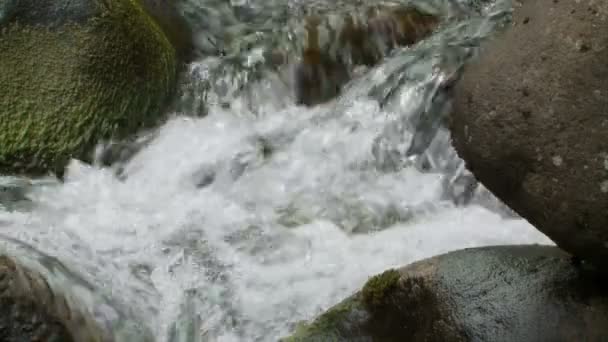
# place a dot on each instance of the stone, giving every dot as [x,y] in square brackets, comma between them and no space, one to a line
[498,293]
[308,57]
[74,73]
[333,45]
[167,15]
[31,311]
[530,119]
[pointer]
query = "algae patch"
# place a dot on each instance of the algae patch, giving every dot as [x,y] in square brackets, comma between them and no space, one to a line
[339,323]
[379,287]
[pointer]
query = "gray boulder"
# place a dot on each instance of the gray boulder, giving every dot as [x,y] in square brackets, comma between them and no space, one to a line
[501,293]
[530,118]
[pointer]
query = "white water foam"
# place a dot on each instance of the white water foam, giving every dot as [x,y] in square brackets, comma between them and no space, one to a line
[236,226]
[268,241]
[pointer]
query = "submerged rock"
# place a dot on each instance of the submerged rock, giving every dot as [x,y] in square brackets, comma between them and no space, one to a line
[333,45]
[31,311]
[500,293]
[306,57]
[530,119]
[76,72]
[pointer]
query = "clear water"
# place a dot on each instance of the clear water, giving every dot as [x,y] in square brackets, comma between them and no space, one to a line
[237,225]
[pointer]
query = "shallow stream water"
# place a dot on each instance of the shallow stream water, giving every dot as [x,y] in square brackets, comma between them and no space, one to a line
[239,222]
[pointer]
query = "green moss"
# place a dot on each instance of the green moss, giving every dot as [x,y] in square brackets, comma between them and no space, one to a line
[67,87]
[340,323]
[369,315]
[378,288]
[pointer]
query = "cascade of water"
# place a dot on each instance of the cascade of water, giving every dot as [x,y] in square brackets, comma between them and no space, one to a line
[245,214]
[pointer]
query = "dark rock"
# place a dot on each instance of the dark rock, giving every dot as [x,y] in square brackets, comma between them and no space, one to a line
[31,311]
[48,13]
[361,38]
[23,318]
[530,118]
[501,293]
[166,14]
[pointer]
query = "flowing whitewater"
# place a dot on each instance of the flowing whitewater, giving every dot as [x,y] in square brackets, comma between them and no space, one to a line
[238,223]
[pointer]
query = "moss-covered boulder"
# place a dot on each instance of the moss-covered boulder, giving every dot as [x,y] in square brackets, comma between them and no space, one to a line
[500,293]
[76,72]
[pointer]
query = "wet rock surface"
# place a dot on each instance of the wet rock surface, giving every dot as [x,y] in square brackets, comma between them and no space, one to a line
[497,293]
[167,15]
[358,40]
[23,316]
[49,13]
[530,118]
[308,57]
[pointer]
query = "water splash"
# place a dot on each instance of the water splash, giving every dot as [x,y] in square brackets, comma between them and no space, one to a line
[237,223]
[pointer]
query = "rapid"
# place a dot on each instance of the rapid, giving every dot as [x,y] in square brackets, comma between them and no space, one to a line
[236,222]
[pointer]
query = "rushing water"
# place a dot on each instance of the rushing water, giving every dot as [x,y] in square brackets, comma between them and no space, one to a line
[236,225]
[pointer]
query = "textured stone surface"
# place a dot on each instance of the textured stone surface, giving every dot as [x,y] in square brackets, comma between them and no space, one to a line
[501,293]
[530,119]
[75,72]
[24,316]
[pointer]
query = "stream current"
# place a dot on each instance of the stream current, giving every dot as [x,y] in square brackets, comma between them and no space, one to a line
[245,214]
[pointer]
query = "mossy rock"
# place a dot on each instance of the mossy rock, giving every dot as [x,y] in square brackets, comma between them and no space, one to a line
[340,323]
[522,293]
[76,72]
[379,287]
[384,310]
